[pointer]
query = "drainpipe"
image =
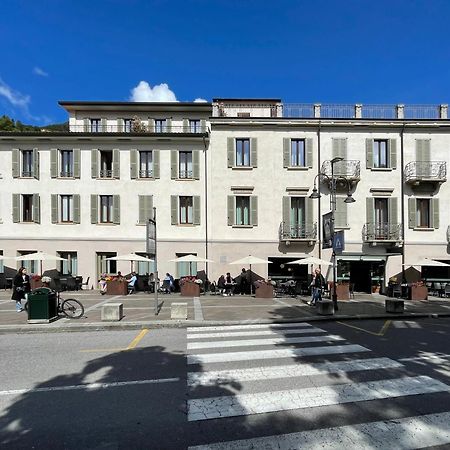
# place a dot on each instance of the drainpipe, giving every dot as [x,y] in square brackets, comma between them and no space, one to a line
[319,222]
[402,191]
[206,203]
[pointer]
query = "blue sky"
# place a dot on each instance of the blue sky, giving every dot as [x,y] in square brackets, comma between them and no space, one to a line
[348,51]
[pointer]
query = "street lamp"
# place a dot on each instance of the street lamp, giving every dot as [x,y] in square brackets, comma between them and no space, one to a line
[315,195]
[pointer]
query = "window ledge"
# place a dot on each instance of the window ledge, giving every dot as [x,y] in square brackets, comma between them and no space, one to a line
[382,169]
[106,178]
[298,168]
[188,225]
[107,224]
[423,229]
[242,226]
[27,223]
[66,178]
[65,223]
[242,167]
[145,179]
[185,179]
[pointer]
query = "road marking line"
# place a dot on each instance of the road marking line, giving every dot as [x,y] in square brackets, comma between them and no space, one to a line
[137,339]
[101,350]
[407,433]
[218,377]
[198,314]
[250,326]
[382,332]
[259,342]
[274,354]
[266,402]
[89,386]
[436,358]
[255,333]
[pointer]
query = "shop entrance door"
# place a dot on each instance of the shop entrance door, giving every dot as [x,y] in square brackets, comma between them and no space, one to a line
[360,276]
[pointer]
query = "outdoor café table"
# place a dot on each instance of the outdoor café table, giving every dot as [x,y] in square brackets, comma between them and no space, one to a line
[117,287]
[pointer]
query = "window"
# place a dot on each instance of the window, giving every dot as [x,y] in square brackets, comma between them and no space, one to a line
[66,163]
[104,265]
[144,268]
[27,163]
[127,125]
[145,164]
[242,210]
[106,161]
[31,266]
[160,125]
[380,153]
[69,267]
[185,268]
[243,152]
[96,125]
[186,210]
[381,218]
[66,208]
[297,211]
[298,155]
[185,165]
[27,208]
[423,213]
[194,126]
[106,209]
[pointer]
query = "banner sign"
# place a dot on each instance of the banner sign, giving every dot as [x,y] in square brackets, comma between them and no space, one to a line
[327,230]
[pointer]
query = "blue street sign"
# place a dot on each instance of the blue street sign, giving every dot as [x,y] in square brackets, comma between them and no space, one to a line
[338,242]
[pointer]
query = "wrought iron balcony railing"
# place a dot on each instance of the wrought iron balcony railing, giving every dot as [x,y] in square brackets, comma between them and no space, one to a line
[105,174]
[347,168]
[299,231]
[145,173]
[66,174]
[416,171]
[185,174]
[388,232]
[142,128]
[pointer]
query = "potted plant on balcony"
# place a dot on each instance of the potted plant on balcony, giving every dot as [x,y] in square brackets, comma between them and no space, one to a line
[137,125]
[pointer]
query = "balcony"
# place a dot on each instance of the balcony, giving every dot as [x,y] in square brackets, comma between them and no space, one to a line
[306,232]
[145,173]
[382,232]
[425,172]
[348,168]
[105,174]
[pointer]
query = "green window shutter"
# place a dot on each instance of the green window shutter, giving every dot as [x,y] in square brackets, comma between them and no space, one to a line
[254,152]
[116,163]
[53,163]
[151,125]
[120,125]
[339,147]
[230,210]
[104,125]
[434,213]
[76,208]
[54,206]
[16,208]
[36,209]
[309,216]
[196,209]
[168,125]
[196,164]
[77,163]
[116,209]
[393,153]
[134,163]
[254,210]
[286,211]
[340,215]
[231,145]
[145,208]
[369,153]
[412,212]
[370,210]
[422,149]
[186,128]
[94,208]
[173,164]
[86,123]
[94,164]
[36,163]
[286,152]
[156,164]
[393,211]
[203,125]
[15,162]
[174,209]
[309,152]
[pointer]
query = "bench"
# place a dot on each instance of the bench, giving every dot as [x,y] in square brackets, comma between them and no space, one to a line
[178,311]
[393,305]
[325,308]
[112,312]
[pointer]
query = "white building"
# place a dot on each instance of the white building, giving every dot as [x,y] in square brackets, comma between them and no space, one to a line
[229,179]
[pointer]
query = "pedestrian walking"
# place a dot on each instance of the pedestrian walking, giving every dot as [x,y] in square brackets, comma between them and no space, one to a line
[21,288]
[317,284]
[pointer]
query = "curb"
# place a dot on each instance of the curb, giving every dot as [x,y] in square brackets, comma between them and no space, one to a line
[114,326]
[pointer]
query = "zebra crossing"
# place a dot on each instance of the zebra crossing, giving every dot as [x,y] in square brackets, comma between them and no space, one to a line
[300,368]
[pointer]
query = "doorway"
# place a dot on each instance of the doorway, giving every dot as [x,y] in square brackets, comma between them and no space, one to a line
[360,276]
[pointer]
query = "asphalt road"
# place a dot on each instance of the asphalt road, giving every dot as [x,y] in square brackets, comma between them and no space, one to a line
[374,384]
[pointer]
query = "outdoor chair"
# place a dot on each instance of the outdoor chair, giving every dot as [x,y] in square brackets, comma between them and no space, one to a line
[165,287]
[396,290]
[85,283]
[438,290]
[447,290]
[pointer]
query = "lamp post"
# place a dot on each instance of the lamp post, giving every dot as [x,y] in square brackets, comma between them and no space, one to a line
[315,195]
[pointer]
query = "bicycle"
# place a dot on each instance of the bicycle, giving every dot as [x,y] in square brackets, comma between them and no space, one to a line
[71,308]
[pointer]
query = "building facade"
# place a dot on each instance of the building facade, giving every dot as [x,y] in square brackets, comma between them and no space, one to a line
[228,179]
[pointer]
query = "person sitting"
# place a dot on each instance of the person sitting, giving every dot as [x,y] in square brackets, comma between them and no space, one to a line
[151,282]
[119,276]
[103,283]
[229,285]
[221,284]
[132,283]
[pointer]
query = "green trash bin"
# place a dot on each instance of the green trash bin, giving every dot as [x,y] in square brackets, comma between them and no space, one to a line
[42,306]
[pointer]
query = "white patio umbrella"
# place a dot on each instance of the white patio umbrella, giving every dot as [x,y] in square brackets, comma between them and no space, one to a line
[429,263]
[39,256]
[129,257]
[190,259]
[249,260]
[312,260]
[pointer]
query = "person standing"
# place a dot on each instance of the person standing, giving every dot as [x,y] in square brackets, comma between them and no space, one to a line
[21,288]
[317,284]
[243,282]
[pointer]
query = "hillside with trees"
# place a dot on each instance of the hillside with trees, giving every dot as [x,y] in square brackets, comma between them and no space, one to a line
[10,125]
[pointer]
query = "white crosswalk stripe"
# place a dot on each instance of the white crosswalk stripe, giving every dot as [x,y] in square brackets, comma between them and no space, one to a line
[319,382]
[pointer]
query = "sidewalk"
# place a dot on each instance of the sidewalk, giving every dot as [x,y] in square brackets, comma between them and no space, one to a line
[139,311]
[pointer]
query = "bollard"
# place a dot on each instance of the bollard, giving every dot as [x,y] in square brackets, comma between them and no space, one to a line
[112,312]
[325,308]
[178,311]
[394,305]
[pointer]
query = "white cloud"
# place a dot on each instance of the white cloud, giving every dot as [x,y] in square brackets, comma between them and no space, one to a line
[200,100]
[143,92]
[40,72]
[14,97]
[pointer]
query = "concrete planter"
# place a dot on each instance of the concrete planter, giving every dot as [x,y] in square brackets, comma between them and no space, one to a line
[418,293]
[264,291]
[116,287]
[190,289]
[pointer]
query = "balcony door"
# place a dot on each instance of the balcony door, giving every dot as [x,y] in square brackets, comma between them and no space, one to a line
[381,215]
[298,219]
